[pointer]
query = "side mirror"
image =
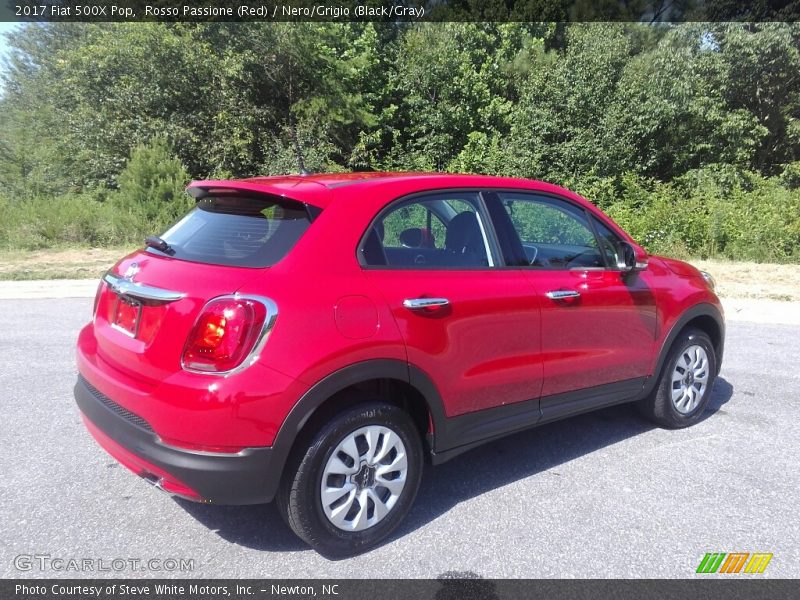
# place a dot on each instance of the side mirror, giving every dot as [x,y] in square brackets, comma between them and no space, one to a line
[631,258]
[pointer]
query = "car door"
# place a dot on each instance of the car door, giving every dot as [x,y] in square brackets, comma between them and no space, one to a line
[598,323]
[472,327]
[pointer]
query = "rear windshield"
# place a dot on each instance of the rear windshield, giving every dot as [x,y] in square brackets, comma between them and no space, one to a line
[237,231]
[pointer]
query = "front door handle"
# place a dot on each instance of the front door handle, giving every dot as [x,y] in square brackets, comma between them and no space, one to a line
[563,294]
[420,303]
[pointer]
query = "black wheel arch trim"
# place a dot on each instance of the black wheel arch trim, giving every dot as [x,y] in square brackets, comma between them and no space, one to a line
[348,376]
[697,310]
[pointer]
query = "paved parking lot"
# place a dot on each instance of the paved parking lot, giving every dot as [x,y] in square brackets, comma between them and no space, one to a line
[602,495]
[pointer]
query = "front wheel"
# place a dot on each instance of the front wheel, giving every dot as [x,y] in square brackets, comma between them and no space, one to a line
[354,483]
[684,389]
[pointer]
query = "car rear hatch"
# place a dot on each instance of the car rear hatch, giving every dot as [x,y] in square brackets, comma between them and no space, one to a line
[149,302]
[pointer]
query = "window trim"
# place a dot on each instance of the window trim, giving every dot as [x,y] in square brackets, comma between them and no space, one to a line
[493,254]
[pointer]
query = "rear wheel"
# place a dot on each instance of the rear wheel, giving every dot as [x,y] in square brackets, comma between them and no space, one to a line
[684,389]
[353,484]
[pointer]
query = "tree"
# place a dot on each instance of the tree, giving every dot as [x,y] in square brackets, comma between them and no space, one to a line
[558,126]
[152,183]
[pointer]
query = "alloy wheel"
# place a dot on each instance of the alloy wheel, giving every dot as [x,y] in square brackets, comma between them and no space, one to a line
[689,379]
[363,478]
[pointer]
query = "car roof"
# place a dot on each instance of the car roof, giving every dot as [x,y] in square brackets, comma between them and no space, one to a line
[318,188]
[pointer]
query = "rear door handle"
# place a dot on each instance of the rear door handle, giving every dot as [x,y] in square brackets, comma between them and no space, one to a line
[562,294]
[420,303]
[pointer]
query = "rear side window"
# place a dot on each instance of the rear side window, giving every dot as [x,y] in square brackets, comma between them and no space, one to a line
[437,231]
[238,231]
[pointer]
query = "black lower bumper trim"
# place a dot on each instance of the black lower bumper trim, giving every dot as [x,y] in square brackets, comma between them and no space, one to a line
[243,478]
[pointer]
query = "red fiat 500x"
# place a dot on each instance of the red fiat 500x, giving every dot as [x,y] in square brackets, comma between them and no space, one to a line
[314,339]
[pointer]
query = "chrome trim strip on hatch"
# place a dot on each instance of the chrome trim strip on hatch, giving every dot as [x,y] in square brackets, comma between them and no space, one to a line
[126,287]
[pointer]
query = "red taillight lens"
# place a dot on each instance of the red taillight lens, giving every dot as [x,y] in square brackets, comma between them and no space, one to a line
[224,334]
[100,287]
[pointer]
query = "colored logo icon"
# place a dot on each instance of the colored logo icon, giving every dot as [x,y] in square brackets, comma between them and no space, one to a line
[734,562]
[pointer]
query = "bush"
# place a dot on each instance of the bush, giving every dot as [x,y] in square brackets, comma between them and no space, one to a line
[151,187]
[791,175]
[707,213]
[44,222]
[712,213]
[150,197]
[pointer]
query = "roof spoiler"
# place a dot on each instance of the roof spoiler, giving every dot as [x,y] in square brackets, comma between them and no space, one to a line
[204,189]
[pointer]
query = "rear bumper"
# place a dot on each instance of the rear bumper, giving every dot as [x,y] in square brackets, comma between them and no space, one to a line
[247,477]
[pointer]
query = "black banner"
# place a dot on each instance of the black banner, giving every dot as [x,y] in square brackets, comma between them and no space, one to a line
[455,587]
[399,10]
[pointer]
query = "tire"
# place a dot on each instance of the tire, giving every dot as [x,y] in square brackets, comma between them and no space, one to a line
[685,384]
[356,452]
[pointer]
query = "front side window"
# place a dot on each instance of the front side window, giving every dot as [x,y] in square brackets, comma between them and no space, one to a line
[434,231]
[554,233]
[609,242]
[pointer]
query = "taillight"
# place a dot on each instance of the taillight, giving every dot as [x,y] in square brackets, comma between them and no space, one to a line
[97,294]
[225,334]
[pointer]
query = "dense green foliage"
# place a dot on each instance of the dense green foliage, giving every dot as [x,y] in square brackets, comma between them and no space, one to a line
[689,135]
[152,185]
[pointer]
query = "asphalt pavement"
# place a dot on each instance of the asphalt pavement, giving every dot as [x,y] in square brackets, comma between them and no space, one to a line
[600,495]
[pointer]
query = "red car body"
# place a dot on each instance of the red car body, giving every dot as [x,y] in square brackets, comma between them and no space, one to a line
[499,357]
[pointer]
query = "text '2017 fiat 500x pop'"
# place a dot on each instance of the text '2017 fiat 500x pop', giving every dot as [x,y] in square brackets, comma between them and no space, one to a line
[312,340]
